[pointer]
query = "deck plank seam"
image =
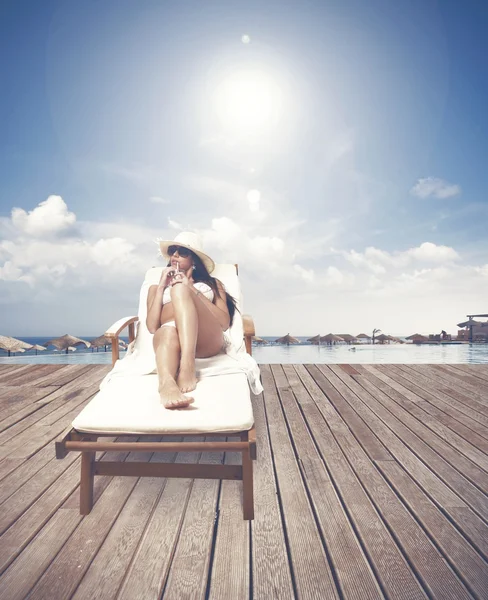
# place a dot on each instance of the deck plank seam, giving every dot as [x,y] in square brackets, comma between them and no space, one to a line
[432,539]
[437,504]
[87,567]
[430,416]
[330,561]
[472,411]
[177,539]
[351,519]
[214,538]
[143,533]
[448,400]
[423,584]
[279,499]
[425,443]
[449,518]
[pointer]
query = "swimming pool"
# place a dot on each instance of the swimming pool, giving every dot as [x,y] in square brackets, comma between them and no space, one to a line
[301,354]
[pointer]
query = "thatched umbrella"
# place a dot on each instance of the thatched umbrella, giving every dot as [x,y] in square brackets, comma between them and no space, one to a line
[315,340]
[330,338]
[36,347]
[363,336]
[258,340]
[65,341]
[417,337]
[100,341]
[347,337]
[383,338]
[287,339]
[11,344]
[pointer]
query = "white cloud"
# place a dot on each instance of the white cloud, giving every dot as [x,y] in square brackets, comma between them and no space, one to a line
[115,251]
[49,217]
[429,252]
[158,200]
[173,224]
[380,261]
[290,277]
[306,274]
[434,187]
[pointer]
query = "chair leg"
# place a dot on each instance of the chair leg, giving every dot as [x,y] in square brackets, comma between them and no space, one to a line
[247,486]
[86,482]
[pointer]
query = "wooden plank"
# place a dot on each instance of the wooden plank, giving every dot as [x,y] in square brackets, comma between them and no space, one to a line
[269,553]
[351,567]
[465,417]
[230,576]
[474,370]
[64,376]
[23,401]
[428,470]
[84,376]
[453,429]
[107,571]
[467,402]
[428,480]
[20,500]
[148,571]
[28,524]
[331,434]
[465,381]
[413,417]
[434,397]
[187,578]
[31,375]
[423,556]
[63,575]
[313,577]
[29,566]
[46,414]
[37,436]
[14,371]
[466,562]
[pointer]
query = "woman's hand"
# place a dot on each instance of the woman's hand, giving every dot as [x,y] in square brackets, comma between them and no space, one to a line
[182,277]
[166,275]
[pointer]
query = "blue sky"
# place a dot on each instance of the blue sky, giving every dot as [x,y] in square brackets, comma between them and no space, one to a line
[360,130]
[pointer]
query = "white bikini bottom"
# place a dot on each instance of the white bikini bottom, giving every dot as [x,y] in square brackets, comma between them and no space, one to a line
[169,324]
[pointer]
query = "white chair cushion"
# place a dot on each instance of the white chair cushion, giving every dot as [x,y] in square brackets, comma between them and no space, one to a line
[131,405]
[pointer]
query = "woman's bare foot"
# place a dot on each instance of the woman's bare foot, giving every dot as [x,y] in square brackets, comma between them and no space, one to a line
[187,378]
[171,397]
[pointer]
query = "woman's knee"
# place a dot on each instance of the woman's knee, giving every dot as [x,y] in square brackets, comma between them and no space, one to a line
[167,336]
[180,291]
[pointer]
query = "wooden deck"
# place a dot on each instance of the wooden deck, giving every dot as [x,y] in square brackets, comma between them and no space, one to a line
[371,482]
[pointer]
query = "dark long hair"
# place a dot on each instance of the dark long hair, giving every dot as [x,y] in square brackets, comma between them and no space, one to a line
[200,273]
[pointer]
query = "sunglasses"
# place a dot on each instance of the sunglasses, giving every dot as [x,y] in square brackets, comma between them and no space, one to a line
[183,252]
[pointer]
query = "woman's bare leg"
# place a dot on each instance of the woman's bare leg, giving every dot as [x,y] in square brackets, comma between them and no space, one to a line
[167,350]
[199,333]
[187,324]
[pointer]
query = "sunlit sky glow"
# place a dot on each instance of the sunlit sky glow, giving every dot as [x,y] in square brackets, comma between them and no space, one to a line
[336,150]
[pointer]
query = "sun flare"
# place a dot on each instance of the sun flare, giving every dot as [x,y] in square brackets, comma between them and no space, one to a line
[248,102]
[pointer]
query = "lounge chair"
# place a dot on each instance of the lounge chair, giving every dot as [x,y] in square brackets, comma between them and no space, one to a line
[128,404]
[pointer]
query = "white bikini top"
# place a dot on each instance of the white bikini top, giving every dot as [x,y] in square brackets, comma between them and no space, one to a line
[205,289]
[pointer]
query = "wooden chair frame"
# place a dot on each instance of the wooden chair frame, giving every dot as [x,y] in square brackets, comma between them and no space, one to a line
[89,444]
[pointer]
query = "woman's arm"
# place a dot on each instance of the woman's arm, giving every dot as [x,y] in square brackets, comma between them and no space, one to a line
[154,306]
[219,309]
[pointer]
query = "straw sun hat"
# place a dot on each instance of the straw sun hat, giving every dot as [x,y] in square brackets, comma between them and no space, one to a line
[189,240]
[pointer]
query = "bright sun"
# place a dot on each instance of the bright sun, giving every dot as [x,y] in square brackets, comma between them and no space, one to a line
[248,102]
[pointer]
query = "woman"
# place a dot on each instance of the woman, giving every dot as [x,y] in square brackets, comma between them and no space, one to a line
[187,312]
